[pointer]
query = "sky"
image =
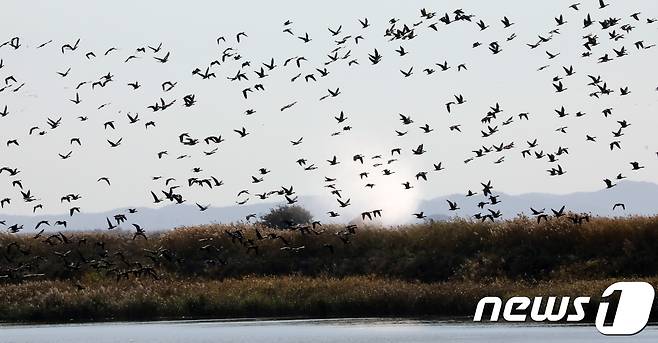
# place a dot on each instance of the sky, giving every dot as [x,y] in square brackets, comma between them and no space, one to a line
[371,97]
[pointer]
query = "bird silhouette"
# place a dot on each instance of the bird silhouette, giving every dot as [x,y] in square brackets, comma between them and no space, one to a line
[247,82]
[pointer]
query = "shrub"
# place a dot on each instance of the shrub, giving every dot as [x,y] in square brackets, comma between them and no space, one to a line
[282,217]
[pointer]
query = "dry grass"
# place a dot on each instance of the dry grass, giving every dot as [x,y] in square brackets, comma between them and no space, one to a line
[288,296]
[437,269]
[514,249]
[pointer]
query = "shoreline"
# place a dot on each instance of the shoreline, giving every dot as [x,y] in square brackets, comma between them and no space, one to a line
[457,321]
[431,270]
[263,321]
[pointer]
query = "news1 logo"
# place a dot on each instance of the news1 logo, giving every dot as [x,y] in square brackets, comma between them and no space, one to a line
[630,316]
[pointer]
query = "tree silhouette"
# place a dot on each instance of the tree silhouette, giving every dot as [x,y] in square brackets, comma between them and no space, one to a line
[285,216]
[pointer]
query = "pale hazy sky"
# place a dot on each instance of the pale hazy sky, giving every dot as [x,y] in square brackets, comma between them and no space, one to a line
[371,96]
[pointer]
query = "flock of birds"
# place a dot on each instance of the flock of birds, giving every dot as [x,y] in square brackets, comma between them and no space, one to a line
[252,76]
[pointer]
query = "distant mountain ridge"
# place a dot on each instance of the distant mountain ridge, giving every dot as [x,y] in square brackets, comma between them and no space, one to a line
[640,198]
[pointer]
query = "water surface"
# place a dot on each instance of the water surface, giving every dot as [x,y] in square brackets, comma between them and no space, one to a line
[309,331]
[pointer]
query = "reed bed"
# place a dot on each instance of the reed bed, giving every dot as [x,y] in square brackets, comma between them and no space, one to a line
[258,297]
[440,251]
[429,269]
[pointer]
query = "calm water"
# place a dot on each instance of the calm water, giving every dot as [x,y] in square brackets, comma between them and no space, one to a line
[308,331]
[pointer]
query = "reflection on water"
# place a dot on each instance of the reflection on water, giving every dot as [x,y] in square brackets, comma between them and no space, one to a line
[313,331]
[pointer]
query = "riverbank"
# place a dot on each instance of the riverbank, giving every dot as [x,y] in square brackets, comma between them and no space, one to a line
[434,269]
[254,297]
